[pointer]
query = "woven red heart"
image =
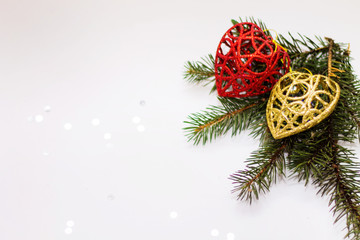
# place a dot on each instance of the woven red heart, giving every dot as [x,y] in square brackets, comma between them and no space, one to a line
[248,62]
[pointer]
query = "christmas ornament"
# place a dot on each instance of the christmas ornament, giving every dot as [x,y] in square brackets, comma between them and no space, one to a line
[248,62]
[250,66]
[299,101]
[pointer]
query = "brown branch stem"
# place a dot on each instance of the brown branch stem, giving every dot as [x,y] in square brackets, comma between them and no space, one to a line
[331,44]
[265,168]
[343,189]
[208,74]
[225,116]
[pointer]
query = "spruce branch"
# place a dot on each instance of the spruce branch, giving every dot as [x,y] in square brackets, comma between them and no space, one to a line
[215,121]
[306,157]
[338,178]
[223,117]
[263,168]
[313,156]
[345,194]
[317,156]
[200,71]
[350,90]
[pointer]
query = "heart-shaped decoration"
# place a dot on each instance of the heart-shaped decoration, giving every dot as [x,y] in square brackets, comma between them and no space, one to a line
[248,62]
[299,101]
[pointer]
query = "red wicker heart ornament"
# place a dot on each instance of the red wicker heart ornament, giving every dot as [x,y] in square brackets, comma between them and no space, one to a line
[248,62]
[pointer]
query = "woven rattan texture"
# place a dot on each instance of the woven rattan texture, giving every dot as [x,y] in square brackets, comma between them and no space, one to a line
[299,101]
[248,62]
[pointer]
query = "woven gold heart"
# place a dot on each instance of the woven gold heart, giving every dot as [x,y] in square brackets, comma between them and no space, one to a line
[299,101]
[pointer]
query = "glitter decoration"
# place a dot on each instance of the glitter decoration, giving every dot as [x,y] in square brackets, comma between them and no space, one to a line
[68,230]
[214,232]
[299,101]
[107,136]
[141,128]
[67,126]
[230,236]
[70,223]
[95,122]
[47,109]
[39,118]
[173,214]
[248,62]
[136,119]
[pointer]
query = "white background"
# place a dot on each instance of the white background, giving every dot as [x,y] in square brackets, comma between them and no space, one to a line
[116,60]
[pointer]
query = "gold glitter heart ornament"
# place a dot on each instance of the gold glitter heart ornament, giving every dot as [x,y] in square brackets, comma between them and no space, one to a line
[299,101]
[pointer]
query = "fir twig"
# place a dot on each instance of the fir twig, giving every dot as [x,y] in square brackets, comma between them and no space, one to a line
[233,115]
[314,155]
[338,179]
[199,71]
[224,117]
[264,166]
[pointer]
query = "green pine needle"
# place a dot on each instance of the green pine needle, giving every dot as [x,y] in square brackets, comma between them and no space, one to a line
[200,71]
[234,115]
[314,156]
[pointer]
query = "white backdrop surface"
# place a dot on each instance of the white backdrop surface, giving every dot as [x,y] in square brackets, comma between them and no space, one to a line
[93,101]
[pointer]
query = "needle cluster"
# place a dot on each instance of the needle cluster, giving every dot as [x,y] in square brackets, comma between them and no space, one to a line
[317,156]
